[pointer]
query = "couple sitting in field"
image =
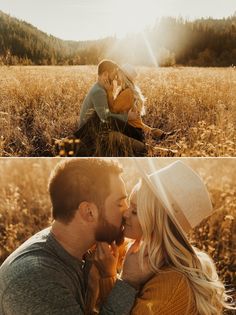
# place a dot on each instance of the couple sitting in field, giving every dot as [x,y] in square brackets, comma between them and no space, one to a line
[111,115]
[71,267]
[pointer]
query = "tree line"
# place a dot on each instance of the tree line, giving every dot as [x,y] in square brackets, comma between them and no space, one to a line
[203,42]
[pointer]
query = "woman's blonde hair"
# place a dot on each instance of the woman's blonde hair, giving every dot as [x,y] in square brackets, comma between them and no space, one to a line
[139,99]
[166,247]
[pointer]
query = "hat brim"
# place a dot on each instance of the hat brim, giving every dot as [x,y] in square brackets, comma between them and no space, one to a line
[156,189]
[127,74]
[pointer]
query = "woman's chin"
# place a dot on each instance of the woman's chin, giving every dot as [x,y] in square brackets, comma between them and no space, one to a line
[130,238]
[129,234]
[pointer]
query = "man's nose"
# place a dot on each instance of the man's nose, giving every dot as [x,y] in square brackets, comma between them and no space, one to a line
[126,206]
[126,213]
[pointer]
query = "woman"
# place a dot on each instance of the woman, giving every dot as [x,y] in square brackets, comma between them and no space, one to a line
[164,206]
[129,97]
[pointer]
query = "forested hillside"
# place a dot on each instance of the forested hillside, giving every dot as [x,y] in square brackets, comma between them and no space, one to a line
[23,43]
[204,42]
[27,44]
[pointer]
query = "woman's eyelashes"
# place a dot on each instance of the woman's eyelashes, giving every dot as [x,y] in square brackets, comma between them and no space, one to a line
[133,209]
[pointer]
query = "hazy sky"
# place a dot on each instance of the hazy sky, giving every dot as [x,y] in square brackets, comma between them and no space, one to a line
[92,19]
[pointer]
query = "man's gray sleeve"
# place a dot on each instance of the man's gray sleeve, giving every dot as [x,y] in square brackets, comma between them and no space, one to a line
[38,291]
[100,102]
[120,300]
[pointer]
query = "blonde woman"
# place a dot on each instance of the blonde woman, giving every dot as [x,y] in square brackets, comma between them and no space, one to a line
[128,97]
[164,206]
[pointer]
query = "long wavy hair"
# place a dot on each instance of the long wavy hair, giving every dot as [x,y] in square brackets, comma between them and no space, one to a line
[139,99]
[166,247]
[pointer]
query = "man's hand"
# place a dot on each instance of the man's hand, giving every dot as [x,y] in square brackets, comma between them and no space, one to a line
[133,115]
[106,259]
[108,86]
[132,272]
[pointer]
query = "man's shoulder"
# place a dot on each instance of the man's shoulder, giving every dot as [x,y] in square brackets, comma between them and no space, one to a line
[29,255]
[33,262]
[97,89]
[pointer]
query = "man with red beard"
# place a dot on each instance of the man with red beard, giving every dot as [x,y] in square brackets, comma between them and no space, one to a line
[48,274]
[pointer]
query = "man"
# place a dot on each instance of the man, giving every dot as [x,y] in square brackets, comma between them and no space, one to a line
[96,119]
[48,274]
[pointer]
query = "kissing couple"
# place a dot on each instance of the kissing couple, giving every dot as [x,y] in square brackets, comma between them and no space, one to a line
[80,265]
[110,122]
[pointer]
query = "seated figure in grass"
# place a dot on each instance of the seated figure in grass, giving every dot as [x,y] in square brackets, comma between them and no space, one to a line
[128,97]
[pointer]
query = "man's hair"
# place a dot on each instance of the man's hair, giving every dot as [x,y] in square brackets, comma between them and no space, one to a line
[106,65]
[77,180]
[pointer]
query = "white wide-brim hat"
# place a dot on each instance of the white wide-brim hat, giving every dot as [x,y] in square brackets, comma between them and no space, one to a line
[182,193]
[129,71]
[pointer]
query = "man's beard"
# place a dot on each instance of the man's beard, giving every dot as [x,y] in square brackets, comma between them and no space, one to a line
[107,232]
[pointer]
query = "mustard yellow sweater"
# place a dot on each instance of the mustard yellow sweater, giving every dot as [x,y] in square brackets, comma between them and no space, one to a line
[167,293]
[123,103]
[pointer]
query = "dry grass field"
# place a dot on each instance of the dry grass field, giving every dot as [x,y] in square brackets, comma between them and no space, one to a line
[25,206]
[41,104]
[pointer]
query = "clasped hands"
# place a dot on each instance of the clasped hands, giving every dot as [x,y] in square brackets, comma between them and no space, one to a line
[106,260]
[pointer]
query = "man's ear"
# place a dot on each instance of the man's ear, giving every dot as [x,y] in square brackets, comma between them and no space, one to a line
[88,211]
[105,75]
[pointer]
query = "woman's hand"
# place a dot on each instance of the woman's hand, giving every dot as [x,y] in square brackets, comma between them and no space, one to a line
[106,259]
[132,115]
[132,271]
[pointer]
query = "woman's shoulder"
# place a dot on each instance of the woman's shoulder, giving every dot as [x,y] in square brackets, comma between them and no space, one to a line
[168,282]
[166,272]
[126,92]
[167,292]
[124,101]
[171,278]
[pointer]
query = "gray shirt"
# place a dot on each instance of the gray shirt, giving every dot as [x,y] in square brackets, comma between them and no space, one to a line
[96,100]
[42,278]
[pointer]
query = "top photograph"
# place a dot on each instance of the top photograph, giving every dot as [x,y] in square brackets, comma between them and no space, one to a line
[97,78]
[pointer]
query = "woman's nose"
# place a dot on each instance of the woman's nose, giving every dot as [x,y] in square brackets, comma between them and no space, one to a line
[126,213]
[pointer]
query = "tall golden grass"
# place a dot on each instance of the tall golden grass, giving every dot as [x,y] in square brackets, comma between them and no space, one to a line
[41,104]
[25,206]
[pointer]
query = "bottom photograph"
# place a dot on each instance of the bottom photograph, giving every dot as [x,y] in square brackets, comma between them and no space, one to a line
[117,236]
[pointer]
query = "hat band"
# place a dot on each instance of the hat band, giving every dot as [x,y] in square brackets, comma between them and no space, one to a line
[181,219]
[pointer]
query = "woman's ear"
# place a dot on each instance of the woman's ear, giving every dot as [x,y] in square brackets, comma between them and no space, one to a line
[88,211]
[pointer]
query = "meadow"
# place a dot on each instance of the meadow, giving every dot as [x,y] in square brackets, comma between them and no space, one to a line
[39,105]
[25,206]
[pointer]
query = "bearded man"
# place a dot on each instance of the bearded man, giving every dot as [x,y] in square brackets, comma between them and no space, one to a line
[48,274]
